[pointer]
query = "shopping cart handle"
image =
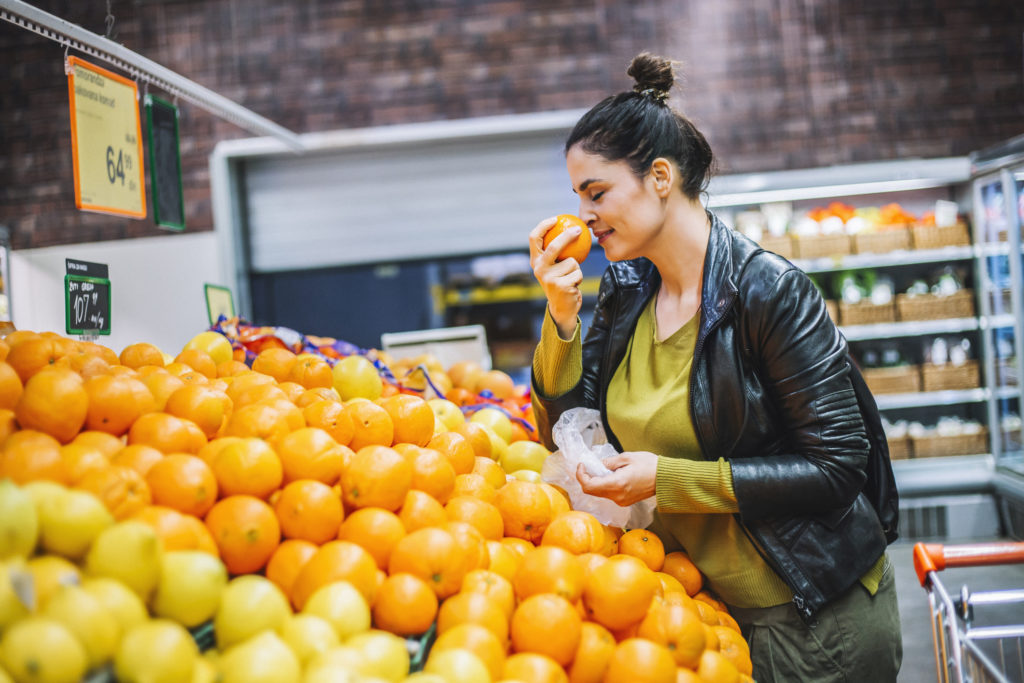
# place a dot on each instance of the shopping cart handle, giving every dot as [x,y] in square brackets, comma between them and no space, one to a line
[934,557]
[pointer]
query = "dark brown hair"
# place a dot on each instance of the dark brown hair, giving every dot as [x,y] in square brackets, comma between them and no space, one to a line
[639,126]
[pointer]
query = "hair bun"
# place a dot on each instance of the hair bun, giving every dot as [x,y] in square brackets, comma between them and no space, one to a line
[652,73]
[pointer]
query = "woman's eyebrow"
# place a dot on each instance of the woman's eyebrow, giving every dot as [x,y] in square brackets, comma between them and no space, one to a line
[586,183]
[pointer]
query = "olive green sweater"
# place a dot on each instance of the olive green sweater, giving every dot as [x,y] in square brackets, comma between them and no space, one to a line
[643,407]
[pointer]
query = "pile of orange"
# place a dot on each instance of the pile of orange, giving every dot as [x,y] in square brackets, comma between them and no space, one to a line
[269,470]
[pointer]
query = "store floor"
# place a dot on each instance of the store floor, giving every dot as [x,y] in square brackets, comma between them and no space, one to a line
[918,655]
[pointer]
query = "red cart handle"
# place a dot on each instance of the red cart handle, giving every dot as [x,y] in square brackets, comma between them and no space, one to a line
[934,557]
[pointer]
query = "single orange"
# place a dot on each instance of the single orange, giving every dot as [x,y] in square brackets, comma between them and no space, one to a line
[376,530]
[473,608]
[292,390]
[531,667]
[172,527]
[472,546]
[420,510]
[578,248]
[206,407]
[412,417]
[475,485]
[677,628]
[549,569]
[457,449]
[11,386]
[733,647]
[137,355]
[246,532]
[44,391]
[376,476]
[247,467]
[80,460]
[108,444]
[198,360]
[310,396]
[336,561]
[405,605]
[287,561]
[164,432]
[525,508]
[645,546]
[432,554]
[578,532]
[637,660]
[121,489]
[504,560]
[310,453]
[33,354]
[330,416]
[494,586]
[595,650]
[184,483]
[478,640]
[716,667]
[462,396]
[546,624]
[482,515]
[497,382]
[490,470]
[161,385]
[371,425]
[681,567]
[517,545]
[277,363]
[618,593]
[29,455]
[257,394]
[231,368]
[308,510]
[433,473]
[260,420]
[311,372]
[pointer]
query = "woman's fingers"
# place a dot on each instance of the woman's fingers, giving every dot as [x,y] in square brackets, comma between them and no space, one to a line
[537,237]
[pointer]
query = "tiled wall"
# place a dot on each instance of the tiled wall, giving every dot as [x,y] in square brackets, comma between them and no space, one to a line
[775,85]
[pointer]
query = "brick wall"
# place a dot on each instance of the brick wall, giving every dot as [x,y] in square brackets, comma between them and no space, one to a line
[775,85]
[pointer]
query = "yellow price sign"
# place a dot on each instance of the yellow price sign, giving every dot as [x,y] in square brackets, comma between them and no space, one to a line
[106,141]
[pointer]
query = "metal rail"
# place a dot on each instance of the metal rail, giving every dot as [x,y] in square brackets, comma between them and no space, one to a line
[140,68]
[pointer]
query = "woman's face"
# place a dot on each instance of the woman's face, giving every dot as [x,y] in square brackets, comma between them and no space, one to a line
[624,212]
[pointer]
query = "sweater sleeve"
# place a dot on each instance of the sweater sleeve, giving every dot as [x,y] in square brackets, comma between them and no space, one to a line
[689,486]
[557,362]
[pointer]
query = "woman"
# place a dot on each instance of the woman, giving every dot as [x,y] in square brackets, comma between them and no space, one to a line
[729,394]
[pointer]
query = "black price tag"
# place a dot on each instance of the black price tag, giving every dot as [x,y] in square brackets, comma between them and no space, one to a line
[165,163]
[86,298]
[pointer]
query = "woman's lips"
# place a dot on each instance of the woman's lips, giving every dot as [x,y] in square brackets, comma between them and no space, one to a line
[602,236]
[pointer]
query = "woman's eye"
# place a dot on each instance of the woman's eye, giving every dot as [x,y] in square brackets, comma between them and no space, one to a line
[597,195]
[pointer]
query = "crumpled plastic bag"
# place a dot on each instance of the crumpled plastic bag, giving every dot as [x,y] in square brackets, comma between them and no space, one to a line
[579,435]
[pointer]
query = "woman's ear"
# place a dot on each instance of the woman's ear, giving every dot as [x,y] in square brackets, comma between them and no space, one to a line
[663,173]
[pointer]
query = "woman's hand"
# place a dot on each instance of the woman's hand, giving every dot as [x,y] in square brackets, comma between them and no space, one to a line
[632,479]
[560,280]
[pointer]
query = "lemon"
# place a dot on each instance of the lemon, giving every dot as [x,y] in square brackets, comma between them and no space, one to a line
[204,671]
[49,573]
[42,650]
[497,445]
[263,658]
[248,605]
[70,521]
[496,420]
[214,343]
[5,677]
[355,376]
[94,627]
[19,522]
[342,606]
[118,600]
[337,665]
[423,677]
[531,476]
[156,651]
[15,582]
[308,635]
[458,666]
[190,586]
[447,413]
[129,552]
[384,654]
[524,455]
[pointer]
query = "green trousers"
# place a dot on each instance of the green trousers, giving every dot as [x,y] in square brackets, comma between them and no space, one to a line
[854,638]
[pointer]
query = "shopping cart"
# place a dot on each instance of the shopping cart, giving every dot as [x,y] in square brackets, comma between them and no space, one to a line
[964,650]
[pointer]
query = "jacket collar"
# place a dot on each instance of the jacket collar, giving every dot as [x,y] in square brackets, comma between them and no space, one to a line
[719,285]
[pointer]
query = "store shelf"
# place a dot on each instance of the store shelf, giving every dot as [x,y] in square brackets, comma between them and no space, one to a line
[923,399]
[510,293]
[911,328]
[957,474]
[901,257]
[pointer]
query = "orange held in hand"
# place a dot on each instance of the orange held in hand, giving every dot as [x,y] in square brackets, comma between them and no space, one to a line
[578,248]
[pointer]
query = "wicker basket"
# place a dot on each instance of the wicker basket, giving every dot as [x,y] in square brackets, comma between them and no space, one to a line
[904,379]
[938,446]
[949,376]
[782,245]
[881,242]
[900,448]
[833,310]
[933,307]
[865,313]
[931,237]
[821,246]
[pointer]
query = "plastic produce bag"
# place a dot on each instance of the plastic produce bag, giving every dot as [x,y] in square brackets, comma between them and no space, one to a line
[579,435]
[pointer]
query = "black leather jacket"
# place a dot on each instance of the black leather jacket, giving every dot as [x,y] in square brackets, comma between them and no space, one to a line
[772,390]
